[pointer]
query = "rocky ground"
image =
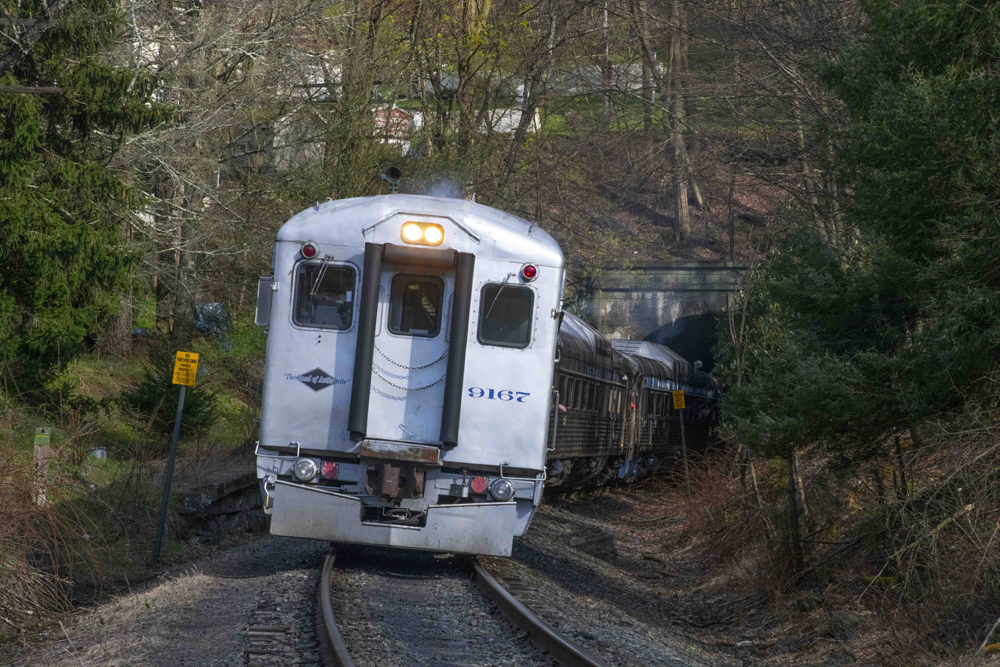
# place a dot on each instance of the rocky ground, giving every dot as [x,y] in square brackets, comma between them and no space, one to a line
[195,614]
[612,572]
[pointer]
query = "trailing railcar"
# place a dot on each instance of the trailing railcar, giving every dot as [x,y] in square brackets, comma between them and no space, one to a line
[613,415]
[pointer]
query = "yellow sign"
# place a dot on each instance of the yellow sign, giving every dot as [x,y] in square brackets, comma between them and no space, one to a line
[186,368]
[678,399]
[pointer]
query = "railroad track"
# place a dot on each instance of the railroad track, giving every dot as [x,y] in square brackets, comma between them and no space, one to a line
[404,609]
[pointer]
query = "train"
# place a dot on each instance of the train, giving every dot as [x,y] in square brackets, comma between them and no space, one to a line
[423,384]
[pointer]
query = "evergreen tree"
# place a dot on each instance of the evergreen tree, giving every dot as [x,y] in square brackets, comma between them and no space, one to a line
[63,264]
[849,345]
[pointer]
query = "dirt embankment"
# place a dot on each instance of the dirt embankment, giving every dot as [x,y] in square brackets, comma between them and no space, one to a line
[651,595]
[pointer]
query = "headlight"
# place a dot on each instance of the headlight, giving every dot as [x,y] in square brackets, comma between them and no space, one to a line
[502,490]
[422,233]
[433,234]
[412,232]
[305,470]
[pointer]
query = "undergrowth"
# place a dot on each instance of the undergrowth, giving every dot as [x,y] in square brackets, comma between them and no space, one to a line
[81,526]
[908,547]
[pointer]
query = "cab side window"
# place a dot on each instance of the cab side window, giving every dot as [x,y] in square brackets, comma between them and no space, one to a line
[324,296]
[505,315]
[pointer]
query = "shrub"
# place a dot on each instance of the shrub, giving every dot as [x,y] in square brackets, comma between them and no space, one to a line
[155,399]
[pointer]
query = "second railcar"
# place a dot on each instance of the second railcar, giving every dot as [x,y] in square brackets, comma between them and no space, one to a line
[613,414]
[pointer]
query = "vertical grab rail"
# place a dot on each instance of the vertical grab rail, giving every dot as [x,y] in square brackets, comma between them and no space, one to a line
[555,421]
[458,340]
[357,422]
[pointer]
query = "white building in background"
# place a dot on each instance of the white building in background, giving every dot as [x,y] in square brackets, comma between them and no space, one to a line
[506,121]
[394,126]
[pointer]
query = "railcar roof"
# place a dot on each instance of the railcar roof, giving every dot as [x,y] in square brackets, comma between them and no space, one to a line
[502,236]
[580,340]
[644,348]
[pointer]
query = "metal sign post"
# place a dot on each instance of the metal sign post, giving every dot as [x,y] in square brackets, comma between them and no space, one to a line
[679,406]
[185,371]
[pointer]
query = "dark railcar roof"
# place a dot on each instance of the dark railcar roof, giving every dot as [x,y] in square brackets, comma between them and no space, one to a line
[664,362]
[662,365]
[582,349]
[585,350]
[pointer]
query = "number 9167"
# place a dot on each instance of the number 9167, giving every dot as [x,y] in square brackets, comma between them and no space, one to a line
[499,395]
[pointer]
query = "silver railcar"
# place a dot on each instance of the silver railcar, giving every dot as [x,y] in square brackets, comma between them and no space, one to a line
[408,375]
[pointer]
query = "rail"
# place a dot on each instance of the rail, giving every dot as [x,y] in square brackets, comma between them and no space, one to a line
[540,632]
[336,650]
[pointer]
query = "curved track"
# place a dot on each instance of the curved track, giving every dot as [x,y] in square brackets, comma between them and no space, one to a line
[333,644]
[540,633]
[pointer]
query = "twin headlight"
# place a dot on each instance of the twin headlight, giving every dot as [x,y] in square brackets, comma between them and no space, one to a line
[422,233]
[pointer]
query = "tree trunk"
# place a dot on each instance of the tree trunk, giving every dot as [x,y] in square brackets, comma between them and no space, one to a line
[116,341]
[533,87]
[606,66]
[802,487]
[647,70]
[164,306]
[830,184]
[901,492]
[184,290]
[691,145]
[793,516]
[822,224]
[732,216]
[682,215]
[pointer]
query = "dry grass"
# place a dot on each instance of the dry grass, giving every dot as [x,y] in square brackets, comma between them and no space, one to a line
[39,548]
[733,511]
[910,544]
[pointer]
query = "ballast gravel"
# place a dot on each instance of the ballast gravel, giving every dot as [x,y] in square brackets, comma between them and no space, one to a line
[397,609]
[580,568]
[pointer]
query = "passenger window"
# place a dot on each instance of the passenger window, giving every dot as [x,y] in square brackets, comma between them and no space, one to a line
[324,296]
[505,315]
[415,305]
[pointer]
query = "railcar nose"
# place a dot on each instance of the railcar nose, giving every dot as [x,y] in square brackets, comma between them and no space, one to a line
[380,259]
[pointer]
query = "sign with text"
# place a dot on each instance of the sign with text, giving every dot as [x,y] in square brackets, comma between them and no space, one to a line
[678,399]
[185,368]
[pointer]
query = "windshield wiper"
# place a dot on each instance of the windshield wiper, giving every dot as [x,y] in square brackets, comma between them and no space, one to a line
[322,272]
[493,303]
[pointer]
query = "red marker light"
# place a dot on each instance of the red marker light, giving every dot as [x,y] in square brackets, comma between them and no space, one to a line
[478,485]
[329,470]
[529,272]
[309,251]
